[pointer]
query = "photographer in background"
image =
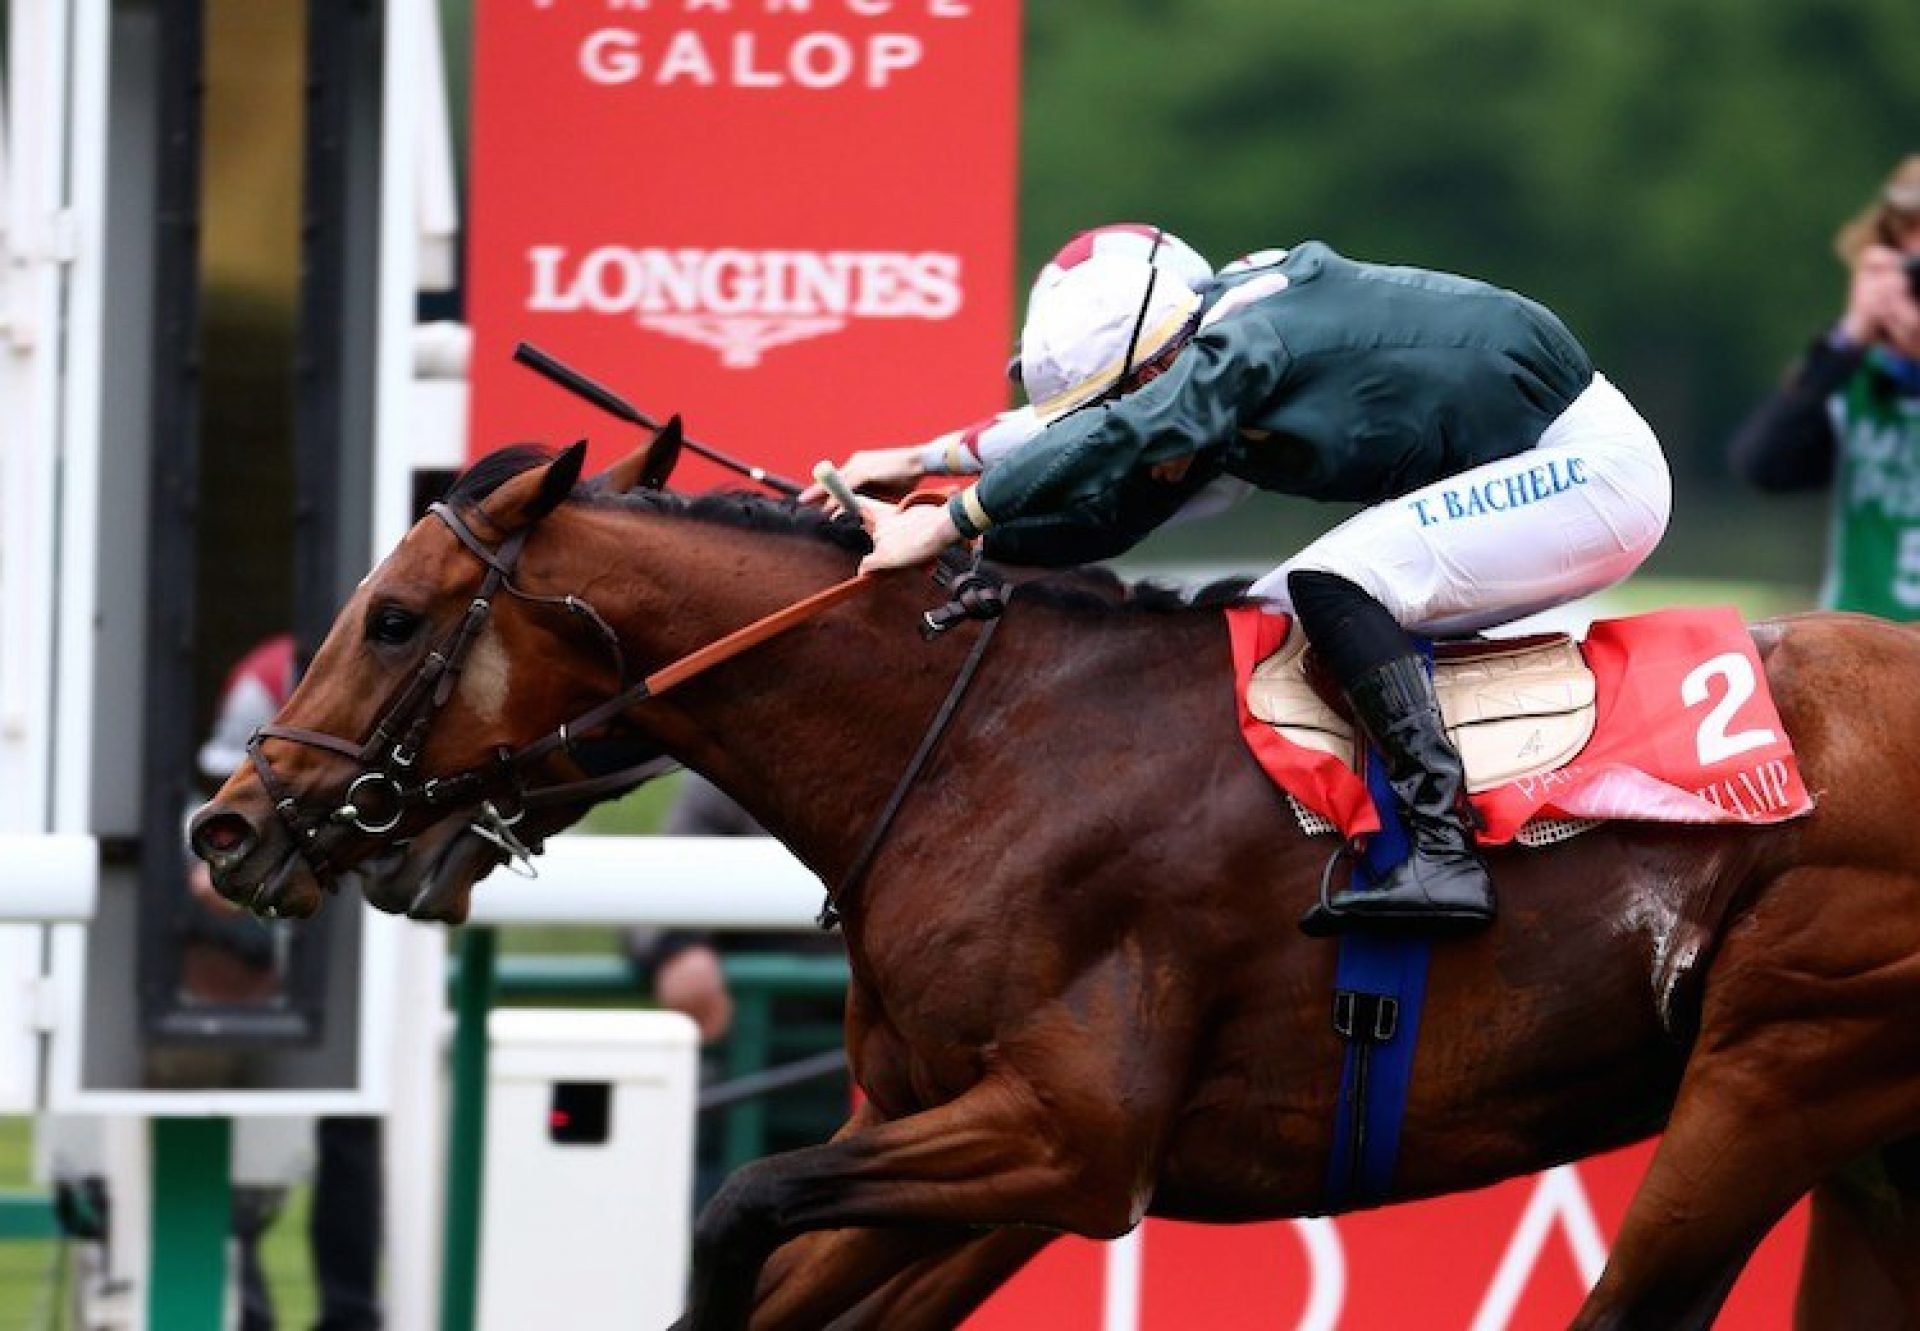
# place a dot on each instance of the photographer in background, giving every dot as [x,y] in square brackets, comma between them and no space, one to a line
[1849,414]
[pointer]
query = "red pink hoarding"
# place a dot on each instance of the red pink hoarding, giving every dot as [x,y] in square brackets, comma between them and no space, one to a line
[789,220]
[1516,1257]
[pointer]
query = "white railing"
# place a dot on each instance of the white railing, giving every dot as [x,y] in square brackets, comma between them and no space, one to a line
[662,882]
[48,889]
[48,879]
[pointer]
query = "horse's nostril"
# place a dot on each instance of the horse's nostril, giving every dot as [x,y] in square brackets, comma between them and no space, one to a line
[221,835]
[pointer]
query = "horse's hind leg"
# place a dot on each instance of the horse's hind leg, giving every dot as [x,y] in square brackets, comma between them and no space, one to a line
[1727,1169]
[1862,1267]
[1806,1059]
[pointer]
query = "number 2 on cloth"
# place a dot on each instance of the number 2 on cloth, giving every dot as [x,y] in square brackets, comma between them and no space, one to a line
[1712,742]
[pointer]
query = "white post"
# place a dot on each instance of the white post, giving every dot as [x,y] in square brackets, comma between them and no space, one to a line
[438,194]
[414,1142]
[34,242]
[83,230]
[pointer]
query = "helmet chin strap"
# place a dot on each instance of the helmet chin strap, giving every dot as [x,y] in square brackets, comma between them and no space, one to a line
[1146,301]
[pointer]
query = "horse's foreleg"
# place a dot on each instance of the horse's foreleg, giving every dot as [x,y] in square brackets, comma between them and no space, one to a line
[1069,1158]
[889,1280]
[900,1279]
[938,1292]
[819,1276]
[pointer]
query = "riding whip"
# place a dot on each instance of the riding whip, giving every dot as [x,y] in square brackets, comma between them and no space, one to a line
[618,407]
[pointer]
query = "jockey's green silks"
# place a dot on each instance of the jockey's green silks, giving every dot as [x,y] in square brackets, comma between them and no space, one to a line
[1355,382]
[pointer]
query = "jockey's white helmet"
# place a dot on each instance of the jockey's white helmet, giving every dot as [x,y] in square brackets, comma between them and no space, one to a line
[1139,240]
[1103,319]
[1135,240]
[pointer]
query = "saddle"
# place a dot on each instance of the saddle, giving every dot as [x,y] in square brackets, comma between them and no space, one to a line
[1513,707]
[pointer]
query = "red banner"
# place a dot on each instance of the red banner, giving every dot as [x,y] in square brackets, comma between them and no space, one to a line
[790,221]
[1516,1257]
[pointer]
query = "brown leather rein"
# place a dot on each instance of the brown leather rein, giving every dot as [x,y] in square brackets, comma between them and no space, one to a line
[387,790]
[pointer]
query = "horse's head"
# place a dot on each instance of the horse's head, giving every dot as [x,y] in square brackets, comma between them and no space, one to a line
[402,723]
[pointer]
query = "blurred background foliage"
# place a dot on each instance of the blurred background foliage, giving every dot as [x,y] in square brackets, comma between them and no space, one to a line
[1666,174]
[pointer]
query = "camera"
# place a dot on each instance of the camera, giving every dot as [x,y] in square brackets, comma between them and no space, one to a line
[1912,264]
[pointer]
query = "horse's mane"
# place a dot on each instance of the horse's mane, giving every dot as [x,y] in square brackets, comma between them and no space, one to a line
[1099,590]
[731,508]
[1088,589]
[743,509]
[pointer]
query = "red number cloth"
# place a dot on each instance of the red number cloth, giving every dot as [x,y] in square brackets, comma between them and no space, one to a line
[1686,733]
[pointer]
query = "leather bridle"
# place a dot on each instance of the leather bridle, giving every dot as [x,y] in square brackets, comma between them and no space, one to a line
[387,789]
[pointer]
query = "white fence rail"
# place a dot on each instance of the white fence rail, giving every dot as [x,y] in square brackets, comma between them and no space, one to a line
[48,879]
[666,882]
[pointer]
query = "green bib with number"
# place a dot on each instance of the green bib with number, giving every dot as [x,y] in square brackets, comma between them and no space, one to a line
[1875,561]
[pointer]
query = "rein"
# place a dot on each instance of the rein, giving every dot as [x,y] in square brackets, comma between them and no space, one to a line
[832,909]
[489,824]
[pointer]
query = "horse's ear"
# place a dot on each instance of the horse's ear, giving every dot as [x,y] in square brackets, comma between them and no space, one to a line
[524,501]
[647,467]
[662,454]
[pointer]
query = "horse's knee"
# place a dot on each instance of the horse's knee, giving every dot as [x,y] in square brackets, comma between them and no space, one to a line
[1109,1199]
[1102,1182]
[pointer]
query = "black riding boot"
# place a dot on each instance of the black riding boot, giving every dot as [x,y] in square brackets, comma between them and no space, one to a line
[1442,886]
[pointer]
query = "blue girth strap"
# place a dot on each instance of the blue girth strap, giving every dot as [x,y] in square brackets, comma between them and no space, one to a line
[1379,987]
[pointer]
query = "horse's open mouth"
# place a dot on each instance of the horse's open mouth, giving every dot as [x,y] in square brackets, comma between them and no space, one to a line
[430,877]
[288,890]
[445,893]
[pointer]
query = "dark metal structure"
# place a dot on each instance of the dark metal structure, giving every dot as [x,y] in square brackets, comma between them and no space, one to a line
[314,545]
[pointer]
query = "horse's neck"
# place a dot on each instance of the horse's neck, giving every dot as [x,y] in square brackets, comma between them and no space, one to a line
[810,730]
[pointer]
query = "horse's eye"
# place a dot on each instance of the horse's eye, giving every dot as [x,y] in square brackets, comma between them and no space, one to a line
[392,625]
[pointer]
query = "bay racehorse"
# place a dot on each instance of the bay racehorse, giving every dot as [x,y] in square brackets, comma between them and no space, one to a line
[1078,996]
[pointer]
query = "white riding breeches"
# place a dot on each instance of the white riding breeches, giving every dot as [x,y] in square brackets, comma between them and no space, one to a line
[1577,512]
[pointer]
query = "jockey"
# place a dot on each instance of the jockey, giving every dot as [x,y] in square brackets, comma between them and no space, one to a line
[968,450]
[1502,474]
